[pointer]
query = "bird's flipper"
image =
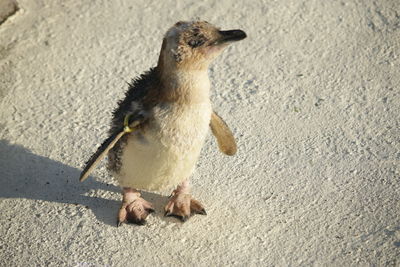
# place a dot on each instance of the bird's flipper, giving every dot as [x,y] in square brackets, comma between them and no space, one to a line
[107,145]
[99,155]
[226,141]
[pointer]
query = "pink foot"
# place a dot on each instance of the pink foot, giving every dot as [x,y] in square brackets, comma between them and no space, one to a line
[182,205]
[134,209]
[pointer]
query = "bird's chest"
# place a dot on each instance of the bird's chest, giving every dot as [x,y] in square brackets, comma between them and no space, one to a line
[165,153]
[180,126]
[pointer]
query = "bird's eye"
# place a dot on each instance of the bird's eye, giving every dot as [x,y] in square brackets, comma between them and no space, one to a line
[196,42]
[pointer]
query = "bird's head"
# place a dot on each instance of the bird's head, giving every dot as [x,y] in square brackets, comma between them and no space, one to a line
[194,45]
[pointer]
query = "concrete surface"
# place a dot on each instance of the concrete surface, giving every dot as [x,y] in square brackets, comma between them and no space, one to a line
[312,96]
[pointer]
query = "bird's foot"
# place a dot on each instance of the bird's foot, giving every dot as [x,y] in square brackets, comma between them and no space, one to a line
[134,209]
[182,206]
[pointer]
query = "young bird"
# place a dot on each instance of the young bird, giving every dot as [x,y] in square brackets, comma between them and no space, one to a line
[170,104]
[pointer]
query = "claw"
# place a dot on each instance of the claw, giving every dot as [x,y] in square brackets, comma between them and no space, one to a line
[136,221]
[172,194]
[202,212]
[182,206]
[150,210]
[140,222]
[181,218]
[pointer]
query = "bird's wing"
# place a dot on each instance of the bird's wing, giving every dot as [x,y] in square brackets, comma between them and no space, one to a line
[226,141]
[139,90]
[109,143]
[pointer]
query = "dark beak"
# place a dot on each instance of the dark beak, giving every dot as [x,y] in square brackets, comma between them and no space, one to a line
[231,36]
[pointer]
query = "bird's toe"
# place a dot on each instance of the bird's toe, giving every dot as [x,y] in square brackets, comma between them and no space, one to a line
[135,212]
[182,206]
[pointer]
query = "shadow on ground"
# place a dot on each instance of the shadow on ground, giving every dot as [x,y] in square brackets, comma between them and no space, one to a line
[26,175]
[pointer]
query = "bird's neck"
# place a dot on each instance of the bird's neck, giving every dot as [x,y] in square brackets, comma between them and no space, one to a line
[185,86]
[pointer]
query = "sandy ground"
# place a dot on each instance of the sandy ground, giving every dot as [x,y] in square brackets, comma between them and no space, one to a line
[312,96]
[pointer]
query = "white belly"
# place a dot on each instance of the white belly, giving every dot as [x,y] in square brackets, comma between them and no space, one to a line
[168,153]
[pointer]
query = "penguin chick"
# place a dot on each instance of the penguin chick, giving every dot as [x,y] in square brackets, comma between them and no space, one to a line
[175,98]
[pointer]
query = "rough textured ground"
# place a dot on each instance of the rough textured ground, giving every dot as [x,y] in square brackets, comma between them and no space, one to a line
[312,96]
[7,9]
